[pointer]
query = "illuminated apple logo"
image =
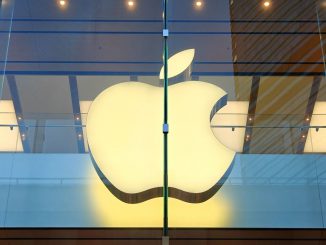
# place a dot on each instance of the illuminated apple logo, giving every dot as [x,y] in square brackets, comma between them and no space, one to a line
[124,130]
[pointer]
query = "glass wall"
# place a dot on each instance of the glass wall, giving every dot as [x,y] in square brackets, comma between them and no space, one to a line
[82,113]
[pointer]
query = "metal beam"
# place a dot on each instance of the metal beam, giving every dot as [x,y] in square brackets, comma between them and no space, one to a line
[251,113]
[23,130]
[76,111]
[308,114]
[39,136]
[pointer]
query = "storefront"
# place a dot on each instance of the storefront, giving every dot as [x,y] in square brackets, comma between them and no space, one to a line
[129,120]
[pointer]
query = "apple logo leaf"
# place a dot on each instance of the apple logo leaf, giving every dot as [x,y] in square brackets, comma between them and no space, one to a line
[178,63]
[124,131]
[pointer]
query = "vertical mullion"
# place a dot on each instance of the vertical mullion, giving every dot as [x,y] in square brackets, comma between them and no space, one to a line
[165,128]
[77,115]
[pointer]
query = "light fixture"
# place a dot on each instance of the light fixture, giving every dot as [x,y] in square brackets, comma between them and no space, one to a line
[199,3]
[62,3]
[267,4]
[131,3]
[307,119]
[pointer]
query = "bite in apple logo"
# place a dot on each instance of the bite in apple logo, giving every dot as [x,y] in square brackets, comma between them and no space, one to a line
[124,130]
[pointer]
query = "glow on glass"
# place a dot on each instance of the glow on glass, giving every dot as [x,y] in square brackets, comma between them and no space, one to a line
[111,212]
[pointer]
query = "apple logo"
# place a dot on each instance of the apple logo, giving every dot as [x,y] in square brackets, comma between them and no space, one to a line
[124,131]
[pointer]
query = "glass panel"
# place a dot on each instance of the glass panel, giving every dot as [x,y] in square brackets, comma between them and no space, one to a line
[268,57]
[6,12]
[62,56]
[252,160]
[9,138]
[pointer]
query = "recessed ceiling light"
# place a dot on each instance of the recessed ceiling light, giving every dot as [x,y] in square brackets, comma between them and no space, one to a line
[267,4]
[131,3]
[62,2]
[199,3]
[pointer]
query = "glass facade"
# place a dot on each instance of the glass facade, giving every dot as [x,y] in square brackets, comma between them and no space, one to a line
[82,113]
